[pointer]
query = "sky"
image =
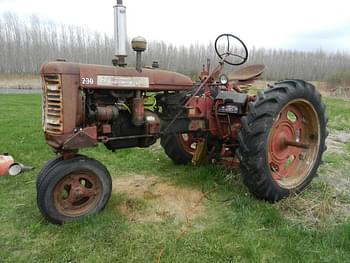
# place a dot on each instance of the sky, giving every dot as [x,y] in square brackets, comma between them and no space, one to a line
[298,24]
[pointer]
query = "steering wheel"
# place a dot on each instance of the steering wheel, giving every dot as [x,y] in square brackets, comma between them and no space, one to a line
[238,55]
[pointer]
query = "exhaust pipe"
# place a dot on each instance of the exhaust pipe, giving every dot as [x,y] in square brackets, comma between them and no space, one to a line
[120,37]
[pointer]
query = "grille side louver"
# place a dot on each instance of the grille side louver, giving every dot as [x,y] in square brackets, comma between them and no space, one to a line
[52,104]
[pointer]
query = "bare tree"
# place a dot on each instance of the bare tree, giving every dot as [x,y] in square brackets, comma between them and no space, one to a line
[25,45]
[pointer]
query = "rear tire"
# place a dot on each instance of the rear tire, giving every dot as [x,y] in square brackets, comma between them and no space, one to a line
[177,148]
[281,123]
[73,189]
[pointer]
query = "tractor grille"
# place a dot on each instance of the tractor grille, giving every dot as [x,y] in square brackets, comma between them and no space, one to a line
[52,104]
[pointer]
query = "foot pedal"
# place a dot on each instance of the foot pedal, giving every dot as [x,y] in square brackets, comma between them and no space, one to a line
[200,156]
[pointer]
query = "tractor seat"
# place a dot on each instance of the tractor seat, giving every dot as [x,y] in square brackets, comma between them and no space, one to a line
[247,73]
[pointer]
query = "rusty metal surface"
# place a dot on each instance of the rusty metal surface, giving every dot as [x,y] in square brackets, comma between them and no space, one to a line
[188,142]
[293,143]
[59,67]
[138,111]
[200,109]
[63,107]
[77,194]
[52,103]
[153,123]
[106,113]
[86,137]
[159,80]
[247,73]
[56,141]
[197,125]
[71,104]
[106,129]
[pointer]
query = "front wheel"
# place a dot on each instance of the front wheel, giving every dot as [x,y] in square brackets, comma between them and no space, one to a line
[73,189]
[282,140]
[44,171]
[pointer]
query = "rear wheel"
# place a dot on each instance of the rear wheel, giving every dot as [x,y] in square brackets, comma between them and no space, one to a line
[282,140]
[73,189]
[179,147]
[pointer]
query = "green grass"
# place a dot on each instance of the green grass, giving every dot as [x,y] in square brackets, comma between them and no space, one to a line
[339,114]
[242,229]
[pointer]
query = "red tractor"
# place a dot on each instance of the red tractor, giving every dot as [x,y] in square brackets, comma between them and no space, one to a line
[277,137]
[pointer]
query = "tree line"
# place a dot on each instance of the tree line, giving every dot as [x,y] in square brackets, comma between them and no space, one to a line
[27,43]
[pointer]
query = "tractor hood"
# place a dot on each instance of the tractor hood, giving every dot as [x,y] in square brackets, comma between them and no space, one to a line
[110,77]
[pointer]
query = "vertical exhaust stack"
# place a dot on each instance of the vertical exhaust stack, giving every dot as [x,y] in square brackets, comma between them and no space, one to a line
[120,37]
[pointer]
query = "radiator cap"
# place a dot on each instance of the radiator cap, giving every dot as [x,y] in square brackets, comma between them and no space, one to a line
[139,44]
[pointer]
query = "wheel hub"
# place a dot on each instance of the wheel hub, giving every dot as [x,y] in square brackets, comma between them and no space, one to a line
[77,194]
[284,131]
[291,139]
[188,142]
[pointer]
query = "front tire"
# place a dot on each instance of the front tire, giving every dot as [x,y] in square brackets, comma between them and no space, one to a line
[73,189]
[282,140]
[47,167]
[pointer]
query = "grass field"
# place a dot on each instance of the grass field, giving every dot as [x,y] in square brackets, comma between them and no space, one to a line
[230,226]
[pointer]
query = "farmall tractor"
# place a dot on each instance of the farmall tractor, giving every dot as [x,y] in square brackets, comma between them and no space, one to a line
[277,137]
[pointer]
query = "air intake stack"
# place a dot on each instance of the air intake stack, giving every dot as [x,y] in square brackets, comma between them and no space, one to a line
[120,37]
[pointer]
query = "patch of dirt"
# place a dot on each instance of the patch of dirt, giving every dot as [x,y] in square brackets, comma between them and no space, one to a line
[20,81]
[341,92]
[316,208]
[322,87]
[336,142]
[162,201]
[327,89]
[338,178]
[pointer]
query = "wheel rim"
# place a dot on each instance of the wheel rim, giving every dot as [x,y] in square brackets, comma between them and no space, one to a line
[188,143]
[77,194]
[293,143]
